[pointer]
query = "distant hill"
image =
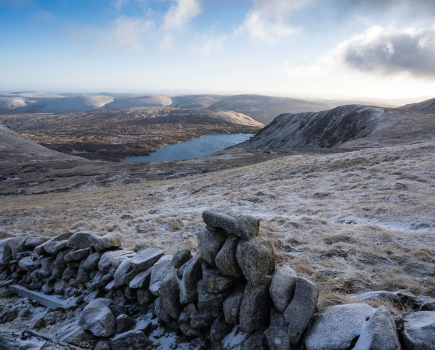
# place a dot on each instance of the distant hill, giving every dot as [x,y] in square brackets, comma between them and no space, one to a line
[266,108]
[349,126]
[195,101]
[425,106]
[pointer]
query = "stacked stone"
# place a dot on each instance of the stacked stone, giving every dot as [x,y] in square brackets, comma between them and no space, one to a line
[228,292]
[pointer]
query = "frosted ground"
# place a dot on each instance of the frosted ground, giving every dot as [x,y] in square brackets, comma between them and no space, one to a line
[351,222]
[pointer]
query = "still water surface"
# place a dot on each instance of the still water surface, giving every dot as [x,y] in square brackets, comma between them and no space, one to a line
[196,148]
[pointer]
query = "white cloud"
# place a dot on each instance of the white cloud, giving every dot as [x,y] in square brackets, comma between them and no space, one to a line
[378,50]
[208,45]
[177,17]
[125,32]
[266,21]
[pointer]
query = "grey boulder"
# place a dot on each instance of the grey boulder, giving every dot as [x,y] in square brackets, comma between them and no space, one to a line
[85,239]
[256,258]
[181,257]
[170,292]
[303,306]
[226,260]
[277,333]
[142,280]
[98,319]
[113,259]
[124,323]
[91,262]
[379,332]
[214,280]
[210,302]
[186,315]
[192,274]
[283,286]
[77,255]
[160,311]
[231,305]
[219,330]
[121,273]
[337,327]
[255,306]
[132,340]
[382,294]
[144,296]
[243,226]
[73,334]
[157,273]
[146,258]
[235,339]
[419,330]
[209,244]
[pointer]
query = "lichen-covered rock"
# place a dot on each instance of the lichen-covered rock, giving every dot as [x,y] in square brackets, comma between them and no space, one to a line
[231,306]
[419,330]
[132,340]
[337,327]
[214,280]
[209,244]
[255,306]
[283,286]
[210,302]
[142,280]
[192,274]
[157,273]
[170,291]
[243,226]
[277,333]
[77,255]
[146,258]
[226,260]
[379,332]
[107,241]
[256,258]
[82,240]
[98,319]
[124,323]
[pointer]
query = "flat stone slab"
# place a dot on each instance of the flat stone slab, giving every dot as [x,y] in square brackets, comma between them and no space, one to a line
[49,301]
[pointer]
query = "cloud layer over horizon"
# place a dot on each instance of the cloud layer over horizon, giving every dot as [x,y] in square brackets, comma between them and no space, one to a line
[220,45]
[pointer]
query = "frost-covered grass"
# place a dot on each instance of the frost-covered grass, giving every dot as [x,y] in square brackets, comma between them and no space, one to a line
[351,222]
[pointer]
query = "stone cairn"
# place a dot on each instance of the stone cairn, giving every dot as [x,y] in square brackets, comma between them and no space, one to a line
[229,292]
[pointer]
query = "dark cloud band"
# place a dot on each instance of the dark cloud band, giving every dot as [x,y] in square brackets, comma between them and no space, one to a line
[392,52]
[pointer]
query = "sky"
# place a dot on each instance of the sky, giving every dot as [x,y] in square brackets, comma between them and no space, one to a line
[313,48]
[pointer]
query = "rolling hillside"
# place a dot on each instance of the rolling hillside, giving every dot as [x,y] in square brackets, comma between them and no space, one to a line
[350,126]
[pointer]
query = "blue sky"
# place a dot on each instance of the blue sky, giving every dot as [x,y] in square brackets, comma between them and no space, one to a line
[324,48]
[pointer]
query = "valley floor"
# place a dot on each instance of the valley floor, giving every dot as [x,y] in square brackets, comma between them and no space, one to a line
[351,222]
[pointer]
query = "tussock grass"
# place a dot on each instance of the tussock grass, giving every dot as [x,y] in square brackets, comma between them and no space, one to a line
[366,234]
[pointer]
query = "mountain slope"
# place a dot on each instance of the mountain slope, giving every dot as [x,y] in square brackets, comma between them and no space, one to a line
[351,126]
[266,108]
[425,106]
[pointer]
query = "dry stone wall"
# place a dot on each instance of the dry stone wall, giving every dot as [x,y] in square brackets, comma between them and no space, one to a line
[230,292]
